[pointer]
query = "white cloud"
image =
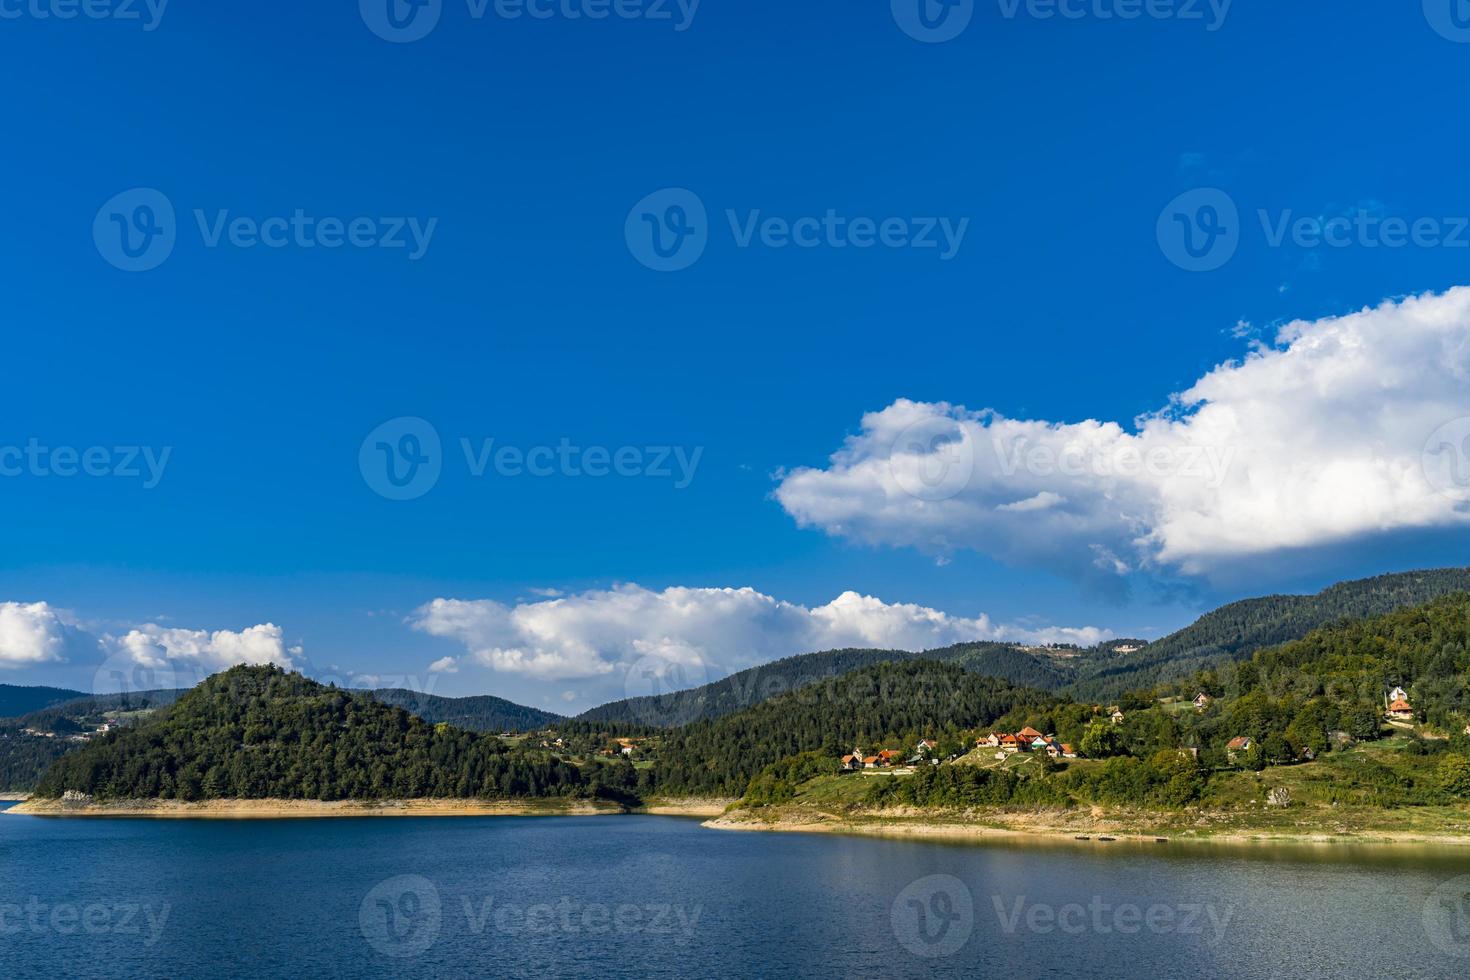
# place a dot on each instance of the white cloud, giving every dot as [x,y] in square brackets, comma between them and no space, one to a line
[701,632]
[34,633]
[1318,439]
[444,665]
[157,646]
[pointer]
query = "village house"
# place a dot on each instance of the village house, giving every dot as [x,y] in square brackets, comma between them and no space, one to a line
[1399,710]
[1029,733]
[1116,715]
[1237,745]
[1201,700]
[988,741]
[883,760]
[926,746]
[1398,694]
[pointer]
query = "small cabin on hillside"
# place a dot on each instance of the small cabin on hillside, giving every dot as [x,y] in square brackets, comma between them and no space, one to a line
[1400,710]
[1201,700]
[1238,745]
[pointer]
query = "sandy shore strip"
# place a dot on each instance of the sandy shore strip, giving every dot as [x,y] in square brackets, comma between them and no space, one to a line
[686,808]
[14,797]
[291,809]
[910,828]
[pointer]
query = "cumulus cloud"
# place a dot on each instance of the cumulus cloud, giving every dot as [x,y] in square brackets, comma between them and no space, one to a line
[155,646]
[1321,438]
[698,632]
[444,665]
[36,633]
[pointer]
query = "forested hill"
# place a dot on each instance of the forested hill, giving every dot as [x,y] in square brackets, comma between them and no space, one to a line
[15,701]
[884,701]
[751,687]
[1335,678]
[1234,632]
[478,713]
[259,732]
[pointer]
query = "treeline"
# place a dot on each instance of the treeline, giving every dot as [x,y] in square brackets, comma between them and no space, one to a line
[259,732]
[24,758]
[877,705]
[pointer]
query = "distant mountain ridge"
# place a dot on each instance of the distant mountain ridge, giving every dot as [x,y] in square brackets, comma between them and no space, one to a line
[476,713]
[758,684]
[1236,631]
[16,701]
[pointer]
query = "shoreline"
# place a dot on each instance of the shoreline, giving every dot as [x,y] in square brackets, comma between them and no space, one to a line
[959,827]
[317,809]
[312,809]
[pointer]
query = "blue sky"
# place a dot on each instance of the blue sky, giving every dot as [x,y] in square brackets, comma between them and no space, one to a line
[519,147]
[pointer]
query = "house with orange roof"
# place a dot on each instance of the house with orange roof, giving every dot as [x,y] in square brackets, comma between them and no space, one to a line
[1241,743]
[1400,711]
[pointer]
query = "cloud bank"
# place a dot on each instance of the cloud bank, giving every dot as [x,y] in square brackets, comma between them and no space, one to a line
[1342,429]
[705,632]
[146,657]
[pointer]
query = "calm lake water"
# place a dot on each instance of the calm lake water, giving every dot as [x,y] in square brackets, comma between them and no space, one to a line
[664,897]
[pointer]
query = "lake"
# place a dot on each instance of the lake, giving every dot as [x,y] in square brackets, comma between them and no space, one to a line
[665,897]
